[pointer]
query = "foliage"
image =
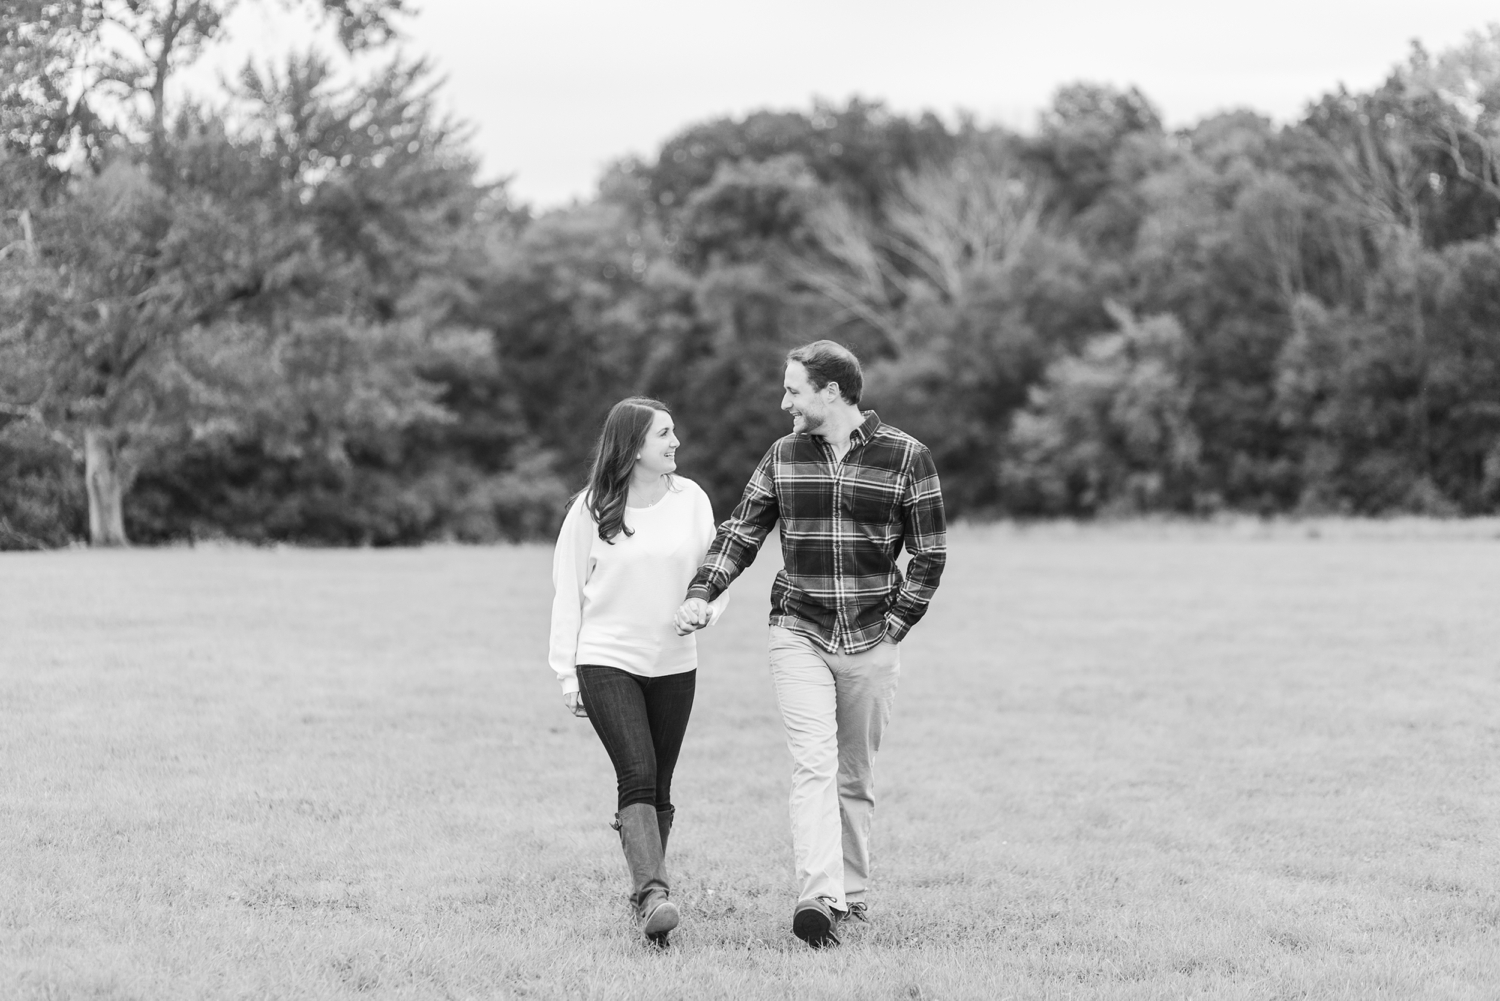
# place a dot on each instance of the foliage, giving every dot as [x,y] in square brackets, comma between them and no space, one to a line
[1109,430]
[274,280]
[295,314]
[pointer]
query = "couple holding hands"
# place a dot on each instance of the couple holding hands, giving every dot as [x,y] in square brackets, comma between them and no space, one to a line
[639,568]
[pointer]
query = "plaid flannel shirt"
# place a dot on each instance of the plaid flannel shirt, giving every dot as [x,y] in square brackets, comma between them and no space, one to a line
[842,526]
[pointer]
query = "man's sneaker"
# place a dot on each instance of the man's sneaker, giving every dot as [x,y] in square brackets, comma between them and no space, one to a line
[815,923]
[858,911]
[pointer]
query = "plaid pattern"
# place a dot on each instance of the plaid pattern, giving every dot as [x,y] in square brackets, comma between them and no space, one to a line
[842,527]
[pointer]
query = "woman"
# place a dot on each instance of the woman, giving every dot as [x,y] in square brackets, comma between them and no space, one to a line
[629,545]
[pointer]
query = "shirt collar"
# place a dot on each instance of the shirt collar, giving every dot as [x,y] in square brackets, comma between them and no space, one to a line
[866,431]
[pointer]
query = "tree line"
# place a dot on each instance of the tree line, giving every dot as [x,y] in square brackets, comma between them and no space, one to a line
[295,313]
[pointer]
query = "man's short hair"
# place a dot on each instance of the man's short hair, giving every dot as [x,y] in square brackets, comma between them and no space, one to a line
[830,361]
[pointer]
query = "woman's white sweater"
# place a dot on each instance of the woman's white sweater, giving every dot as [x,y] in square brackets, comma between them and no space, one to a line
[614,602]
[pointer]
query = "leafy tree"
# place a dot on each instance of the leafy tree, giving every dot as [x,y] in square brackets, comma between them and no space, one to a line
[369,321]
[1218,247]
[1348,381]
[1083,132]
[750,211]
[297,315]
[144,301]
[1109,431]
[1461,88]
[858,150]
[568,307]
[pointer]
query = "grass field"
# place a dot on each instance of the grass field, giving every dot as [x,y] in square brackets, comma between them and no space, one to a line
[1124,764]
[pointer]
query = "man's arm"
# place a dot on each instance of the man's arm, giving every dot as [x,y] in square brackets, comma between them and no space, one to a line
[738,540]
[926,528]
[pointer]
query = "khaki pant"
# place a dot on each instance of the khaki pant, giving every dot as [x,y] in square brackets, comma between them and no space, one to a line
[835,707]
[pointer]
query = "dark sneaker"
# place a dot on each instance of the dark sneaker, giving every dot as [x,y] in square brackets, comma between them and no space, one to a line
[815,923]
[858,911]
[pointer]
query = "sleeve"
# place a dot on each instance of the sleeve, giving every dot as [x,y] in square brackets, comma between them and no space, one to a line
[704,517]
[738,540]
[570,566]
[926,538]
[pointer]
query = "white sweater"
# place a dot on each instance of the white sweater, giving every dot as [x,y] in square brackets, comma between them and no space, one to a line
[614,602]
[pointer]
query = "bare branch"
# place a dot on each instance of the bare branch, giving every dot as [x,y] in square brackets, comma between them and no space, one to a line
[29,234]
[16,536]
[19,410]
[825,282]
[27,243]
[1487,178]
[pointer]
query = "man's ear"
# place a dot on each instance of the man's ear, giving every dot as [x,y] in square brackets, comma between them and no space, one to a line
[835,387]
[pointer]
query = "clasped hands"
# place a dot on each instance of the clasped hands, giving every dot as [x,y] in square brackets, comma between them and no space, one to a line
[692,615]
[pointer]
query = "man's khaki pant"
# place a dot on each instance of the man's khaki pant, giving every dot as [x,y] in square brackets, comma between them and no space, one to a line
[835,707]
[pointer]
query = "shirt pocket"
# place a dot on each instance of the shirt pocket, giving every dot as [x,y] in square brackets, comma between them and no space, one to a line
[872,497]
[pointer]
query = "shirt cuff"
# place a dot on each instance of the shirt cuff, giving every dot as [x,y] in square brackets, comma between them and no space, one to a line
[698,591]
[570,685]
[895,630]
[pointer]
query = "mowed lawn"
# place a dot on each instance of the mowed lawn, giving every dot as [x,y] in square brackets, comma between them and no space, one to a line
[1149,763]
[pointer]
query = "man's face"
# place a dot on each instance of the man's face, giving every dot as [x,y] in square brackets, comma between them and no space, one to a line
[808,406]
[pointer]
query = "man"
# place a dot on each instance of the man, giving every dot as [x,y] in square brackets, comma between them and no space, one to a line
[849,491]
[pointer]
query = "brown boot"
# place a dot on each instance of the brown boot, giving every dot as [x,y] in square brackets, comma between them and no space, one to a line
[664,824]
[640,837]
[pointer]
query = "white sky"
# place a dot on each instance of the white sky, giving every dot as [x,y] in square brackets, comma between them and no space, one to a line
[558,88]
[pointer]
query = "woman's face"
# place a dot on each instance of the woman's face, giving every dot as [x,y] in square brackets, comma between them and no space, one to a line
[658,456]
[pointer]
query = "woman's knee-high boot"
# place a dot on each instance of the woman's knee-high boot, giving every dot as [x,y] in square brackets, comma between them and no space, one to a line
[664,824]
[640,836]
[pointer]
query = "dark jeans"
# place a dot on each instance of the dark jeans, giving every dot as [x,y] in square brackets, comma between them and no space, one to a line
[641,722]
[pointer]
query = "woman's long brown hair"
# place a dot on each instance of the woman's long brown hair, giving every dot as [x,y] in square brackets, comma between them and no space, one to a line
[624,434]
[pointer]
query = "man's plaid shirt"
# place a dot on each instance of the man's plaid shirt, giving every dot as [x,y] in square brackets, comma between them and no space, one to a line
[842,526]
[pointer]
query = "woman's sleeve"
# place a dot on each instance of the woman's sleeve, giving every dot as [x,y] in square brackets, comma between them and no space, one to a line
[570,561]
[705,529]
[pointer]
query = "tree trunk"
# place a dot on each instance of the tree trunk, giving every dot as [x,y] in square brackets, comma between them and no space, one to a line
[105,482]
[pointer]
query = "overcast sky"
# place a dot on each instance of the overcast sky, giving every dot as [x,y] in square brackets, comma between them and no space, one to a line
[557,88]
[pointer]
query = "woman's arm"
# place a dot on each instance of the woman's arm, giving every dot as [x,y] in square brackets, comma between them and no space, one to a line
[570,561]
